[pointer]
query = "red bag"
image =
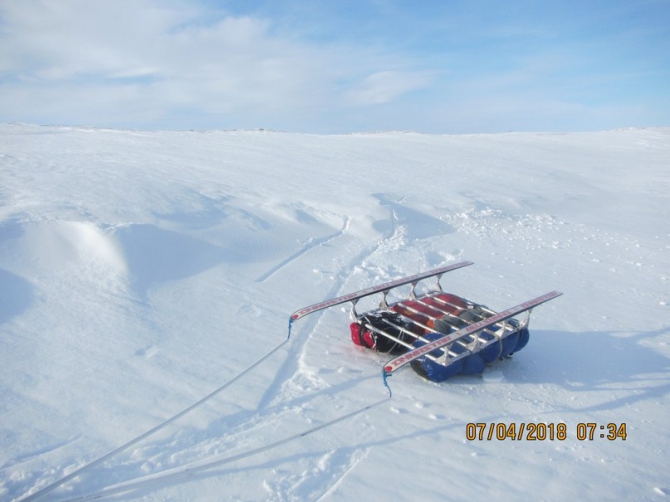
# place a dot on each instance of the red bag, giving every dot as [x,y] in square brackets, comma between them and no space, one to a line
[389,322]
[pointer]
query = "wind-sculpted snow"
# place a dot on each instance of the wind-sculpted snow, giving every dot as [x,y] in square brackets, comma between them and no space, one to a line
[153,255]
[16,295]
[141,270]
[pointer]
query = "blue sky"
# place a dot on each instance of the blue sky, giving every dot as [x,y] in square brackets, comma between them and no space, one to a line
[337,66]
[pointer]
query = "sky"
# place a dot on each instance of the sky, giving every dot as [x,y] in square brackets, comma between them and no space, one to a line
[337,66]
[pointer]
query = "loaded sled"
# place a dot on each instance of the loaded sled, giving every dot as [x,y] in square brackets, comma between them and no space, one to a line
[439,334]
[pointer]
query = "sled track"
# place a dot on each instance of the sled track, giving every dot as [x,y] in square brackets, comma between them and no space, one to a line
[354,458]
[191,469]
[290,366]
[308,246]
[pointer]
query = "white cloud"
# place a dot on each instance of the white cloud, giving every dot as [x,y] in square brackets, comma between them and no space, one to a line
[156,59]
[190,64]
[384,86]
[59,39]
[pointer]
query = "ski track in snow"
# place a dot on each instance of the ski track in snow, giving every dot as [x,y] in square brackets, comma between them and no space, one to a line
[309,245]
[151,291]
[294,378]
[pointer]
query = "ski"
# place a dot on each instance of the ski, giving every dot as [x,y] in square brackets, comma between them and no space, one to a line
[397,363]
[377,289]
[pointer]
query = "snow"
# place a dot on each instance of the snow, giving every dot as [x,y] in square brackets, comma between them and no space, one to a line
[139,271]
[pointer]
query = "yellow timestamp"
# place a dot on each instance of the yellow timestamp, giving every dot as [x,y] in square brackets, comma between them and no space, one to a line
[530,431]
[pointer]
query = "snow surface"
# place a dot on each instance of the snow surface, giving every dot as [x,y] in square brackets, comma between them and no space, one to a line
[141,270]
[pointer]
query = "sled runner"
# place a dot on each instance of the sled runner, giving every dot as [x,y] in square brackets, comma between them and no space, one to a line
[439,334]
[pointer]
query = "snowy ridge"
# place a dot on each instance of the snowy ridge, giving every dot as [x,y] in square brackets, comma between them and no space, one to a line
[141,270]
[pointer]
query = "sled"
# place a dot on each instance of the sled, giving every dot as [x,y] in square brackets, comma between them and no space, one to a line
[438,334]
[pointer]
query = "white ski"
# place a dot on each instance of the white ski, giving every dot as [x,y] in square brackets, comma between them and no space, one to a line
[377,289]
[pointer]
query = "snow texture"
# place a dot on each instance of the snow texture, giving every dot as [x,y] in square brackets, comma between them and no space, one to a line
[141,270]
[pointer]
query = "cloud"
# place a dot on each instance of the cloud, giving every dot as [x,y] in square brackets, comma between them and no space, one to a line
[323,67]
[152,60]
[385,86]
[52,39]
